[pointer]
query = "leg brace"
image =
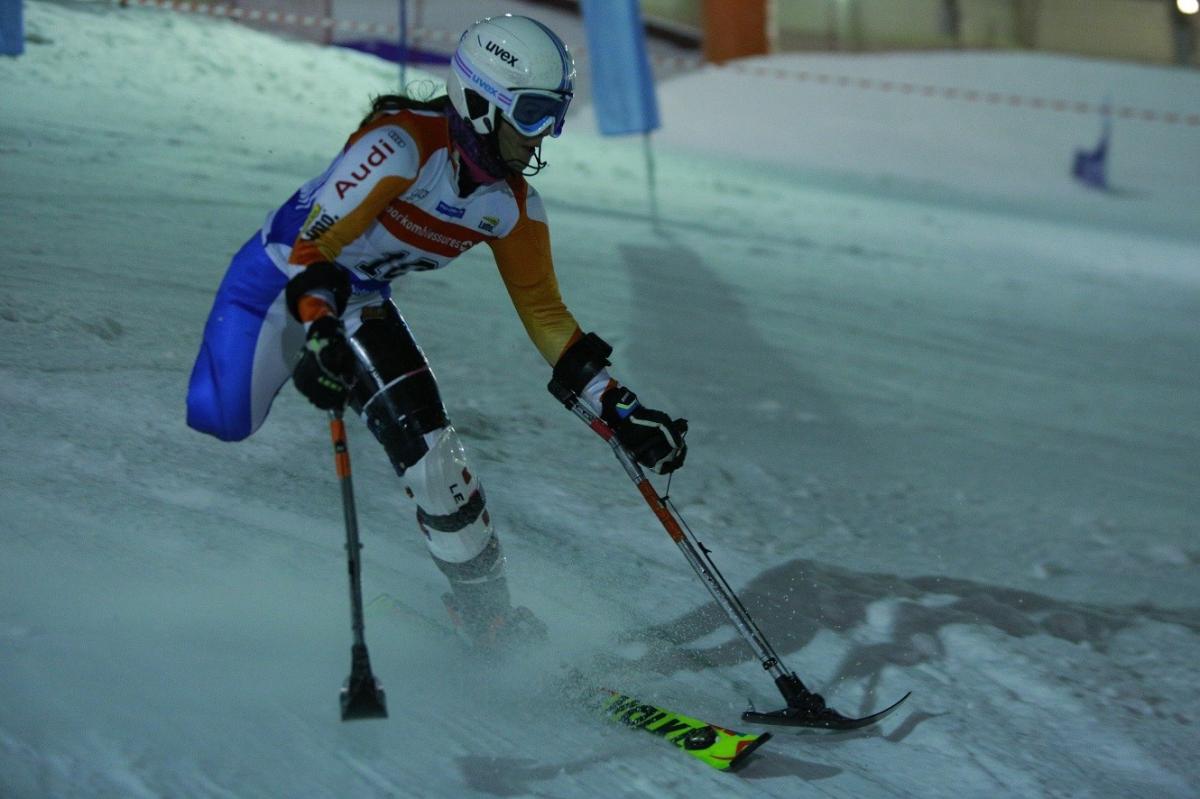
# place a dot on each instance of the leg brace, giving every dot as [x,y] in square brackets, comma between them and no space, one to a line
[397,394]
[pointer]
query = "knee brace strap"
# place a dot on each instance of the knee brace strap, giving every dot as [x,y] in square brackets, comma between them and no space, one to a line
[401,414]
[453,522]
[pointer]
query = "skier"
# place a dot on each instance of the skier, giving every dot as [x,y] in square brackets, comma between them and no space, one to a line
[308,296]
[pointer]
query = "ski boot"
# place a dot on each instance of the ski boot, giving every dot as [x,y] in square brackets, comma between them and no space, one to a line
[483,615]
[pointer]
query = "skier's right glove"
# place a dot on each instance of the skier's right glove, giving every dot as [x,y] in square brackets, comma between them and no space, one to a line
[325,364]
[652,437]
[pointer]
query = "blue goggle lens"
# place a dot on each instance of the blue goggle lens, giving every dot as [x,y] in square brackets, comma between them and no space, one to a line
[534,113]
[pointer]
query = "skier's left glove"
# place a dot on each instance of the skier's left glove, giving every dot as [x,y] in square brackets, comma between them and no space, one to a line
[325,364]
[652,437]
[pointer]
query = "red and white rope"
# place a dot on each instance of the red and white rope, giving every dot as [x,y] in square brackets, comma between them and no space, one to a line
[678,63]
[969,95]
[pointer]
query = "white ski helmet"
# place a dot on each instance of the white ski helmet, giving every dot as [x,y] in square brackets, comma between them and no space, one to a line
[516,67]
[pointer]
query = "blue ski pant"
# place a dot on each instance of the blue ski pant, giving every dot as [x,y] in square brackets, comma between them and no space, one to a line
[249,348]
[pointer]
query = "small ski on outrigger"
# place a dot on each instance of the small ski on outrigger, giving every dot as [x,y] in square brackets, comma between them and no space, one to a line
[804,707]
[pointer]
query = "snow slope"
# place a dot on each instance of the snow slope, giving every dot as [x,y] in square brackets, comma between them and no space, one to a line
[944,438]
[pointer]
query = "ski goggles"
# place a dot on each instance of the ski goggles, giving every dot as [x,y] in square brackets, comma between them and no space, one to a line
[533,112]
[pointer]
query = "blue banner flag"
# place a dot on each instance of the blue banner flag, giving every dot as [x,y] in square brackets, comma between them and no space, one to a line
[12,28]
[622,84]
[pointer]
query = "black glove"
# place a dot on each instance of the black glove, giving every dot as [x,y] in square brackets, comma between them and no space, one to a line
[325,364]
[652,437]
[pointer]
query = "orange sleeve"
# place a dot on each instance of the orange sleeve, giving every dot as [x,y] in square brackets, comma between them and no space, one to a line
[523,258]
[312,308]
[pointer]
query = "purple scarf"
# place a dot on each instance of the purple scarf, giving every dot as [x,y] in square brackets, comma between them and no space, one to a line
[479,154]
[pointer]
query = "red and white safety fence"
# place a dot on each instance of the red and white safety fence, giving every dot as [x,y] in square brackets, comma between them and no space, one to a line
[382,29]
[678,63]
[292,20]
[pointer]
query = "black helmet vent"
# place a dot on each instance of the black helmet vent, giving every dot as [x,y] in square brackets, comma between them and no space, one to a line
[476,105]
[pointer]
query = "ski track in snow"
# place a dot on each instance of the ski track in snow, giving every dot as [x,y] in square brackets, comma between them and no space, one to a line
[944,429]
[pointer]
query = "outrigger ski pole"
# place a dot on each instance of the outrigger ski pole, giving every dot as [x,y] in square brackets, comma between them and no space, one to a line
[362,695]
[804,708]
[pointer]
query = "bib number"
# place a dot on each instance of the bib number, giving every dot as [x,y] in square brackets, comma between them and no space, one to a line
[394,264]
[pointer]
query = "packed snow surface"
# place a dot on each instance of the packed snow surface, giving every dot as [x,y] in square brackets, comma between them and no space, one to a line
[944,405]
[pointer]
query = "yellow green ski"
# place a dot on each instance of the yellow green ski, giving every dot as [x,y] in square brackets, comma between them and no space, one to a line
[718,747]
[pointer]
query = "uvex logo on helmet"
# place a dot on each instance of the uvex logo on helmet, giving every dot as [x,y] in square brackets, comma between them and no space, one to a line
[505,56]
